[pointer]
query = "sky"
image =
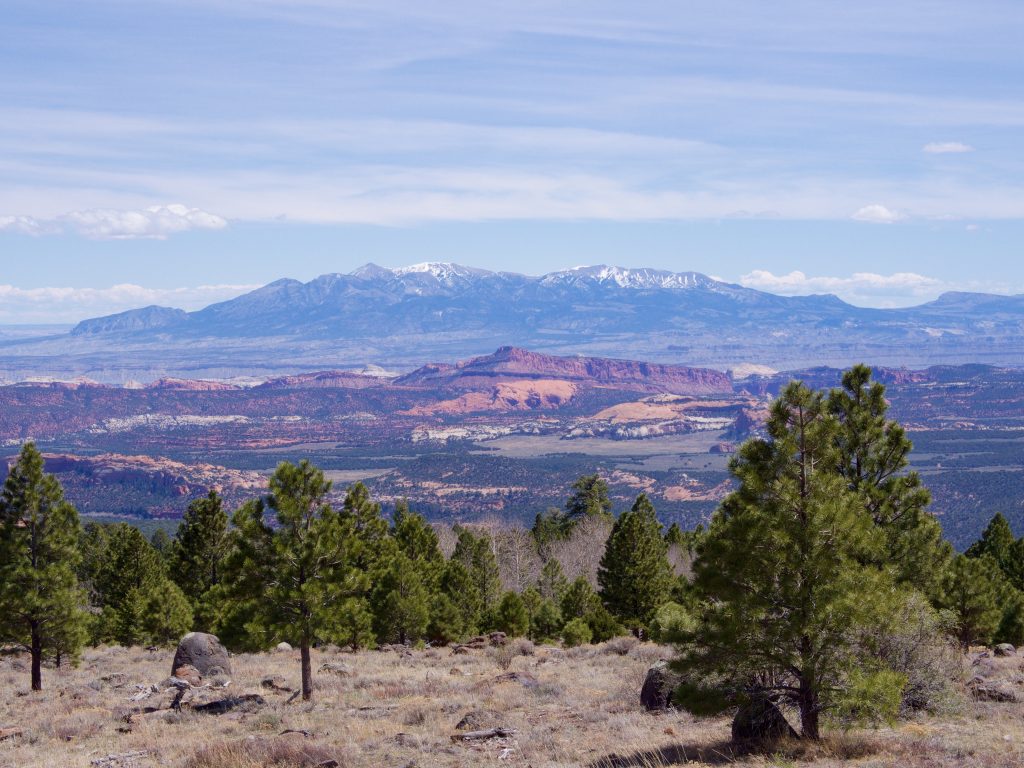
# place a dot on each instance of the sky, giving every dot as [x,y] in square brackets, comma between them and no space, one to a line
[180,152]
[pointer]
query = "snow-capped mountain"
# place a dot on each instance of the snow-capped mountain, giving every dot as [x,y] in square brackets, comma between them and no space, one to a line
[389,315]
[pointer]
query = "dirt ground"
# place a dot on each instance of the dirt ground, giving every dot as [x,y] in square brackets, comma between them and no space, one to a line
[576,707]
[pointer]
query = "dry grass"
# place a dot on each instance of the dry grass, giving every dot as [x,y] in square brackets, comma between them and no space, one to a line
[574,707]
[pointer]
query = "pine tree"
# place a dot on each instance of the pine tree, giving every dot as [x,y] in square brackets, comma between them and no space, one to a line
[589,497]
[297,576]
[997,542]
[786,576]
[579,599]
[873,454]
[971,593]
[635,576]
[552,582]
[40,600]
[197,552]
[140,605]
[511,616]
[476,554]
[418,542]
[462,591]
[401,603]
[446,622]
[162,542]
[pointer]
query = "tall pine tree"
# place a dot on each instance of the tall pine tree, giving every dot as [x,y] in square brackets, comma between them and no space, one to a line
[296,577]
[197,552]
[40,600]
[786,576]
[635,576]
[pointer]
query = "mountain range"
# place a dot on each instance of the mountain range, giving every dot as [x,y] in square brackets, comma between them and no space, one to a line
[393,317]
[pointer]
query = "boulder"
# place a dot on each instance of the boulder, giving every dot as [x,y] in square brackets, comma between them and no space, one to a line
[336,668]
[656,693]
[283,648]
[760,720]
[1005,649]
[477,719]
[203,652]
[276,683]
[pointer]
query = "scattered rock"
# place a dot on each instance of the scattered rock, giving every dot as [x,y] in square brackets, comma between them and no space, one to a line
[489,733]
[204,652]
[10,733]
[249,702]
[283,648]
[478,643]
[477,719]
[760,720]
[523,678]
[122,760]
[1005,649]
[276,683]
[994,691]
[658,687]
[336,668]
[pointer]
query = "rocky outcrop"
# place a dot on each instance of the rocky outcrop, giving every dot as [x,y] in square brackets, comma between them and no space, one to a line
[203,652]
[515,363]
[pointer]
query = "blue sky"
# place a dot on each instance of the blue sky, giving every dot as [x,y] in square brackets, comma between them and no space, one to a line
[179,151]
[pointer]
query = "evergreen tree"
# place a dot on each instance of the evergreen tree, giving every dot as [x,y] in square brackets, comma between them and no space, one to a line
[872,457]
[511,616]
[548,528]
[446,622]
[1011,623]
[786,576]
[997,542]
[418,542]
[546,621]
[198,551]
[576,632]
[459,587]
[363,515]
[635,577]
[971,593]
[130,575]
[161,541]
[589,497]
[579,599]
[401,603]
[552,582]
[92,546]
[166,615]
[40,600]
[475,553]
[299,575]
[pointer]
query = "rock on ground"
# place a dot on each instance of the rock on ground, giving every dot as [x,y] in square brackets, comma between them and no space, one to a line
[760,720]
[660,683]
[204,652]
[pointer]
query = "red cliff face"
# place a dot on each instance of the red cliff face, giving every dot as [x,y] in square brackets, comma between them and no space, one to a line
[513,362]
[325,380]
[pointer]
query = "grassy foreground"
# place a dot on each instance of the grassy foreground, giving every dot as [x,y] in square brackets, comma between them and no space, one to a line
[575,707]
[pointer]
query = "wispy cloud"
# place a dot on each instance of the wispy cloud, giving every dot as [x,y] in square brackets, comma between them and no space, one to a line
[877,214]
[946,148]
[154,222]
[54,304]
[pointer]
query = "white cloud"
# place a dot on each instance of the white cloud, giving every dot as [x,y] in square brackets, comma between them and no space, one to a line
[862,288]
[54,304]
[878,214]
[946,148]
[155,222]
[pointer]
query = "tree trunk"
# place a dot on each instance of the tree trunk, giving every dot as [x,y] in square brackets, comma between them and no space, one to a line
[37,658]
[809,712]
[307,672]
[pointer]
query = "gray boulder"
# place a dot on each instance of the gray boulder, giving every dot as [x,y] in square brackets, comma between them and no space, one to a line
[760,720]
[1005,649]
[660,683]
[204,652]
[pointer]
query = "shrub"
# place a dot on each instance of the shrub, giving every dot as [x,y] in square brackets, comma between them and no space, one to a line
[261,753]
[576,632]
[603,625]
[620,646]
